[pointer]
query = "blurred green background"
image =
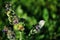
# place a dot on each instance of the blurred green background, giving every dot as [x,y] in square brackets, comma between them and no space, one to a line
[33,11]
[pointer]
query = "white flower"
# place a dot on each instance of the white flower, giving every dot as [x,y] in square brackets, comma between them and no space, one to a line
[10,35]
[41,23]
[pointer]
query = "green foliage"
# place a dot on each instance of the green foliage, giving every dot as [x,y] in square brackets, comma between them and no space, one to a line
[33,11]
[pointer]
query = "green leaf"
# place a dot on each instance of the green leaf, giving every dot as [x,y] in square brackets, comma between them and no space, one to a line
[19,11]
[45,14]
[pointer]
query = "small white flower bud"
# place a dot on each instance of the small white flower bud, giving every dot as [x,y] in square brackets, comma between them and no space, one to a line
[41,23]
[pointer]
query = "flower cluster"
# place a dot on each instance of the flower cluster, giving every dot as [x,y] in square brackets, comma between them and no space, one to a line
[10,34]
[13,19]
[7,6]
[37,28]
